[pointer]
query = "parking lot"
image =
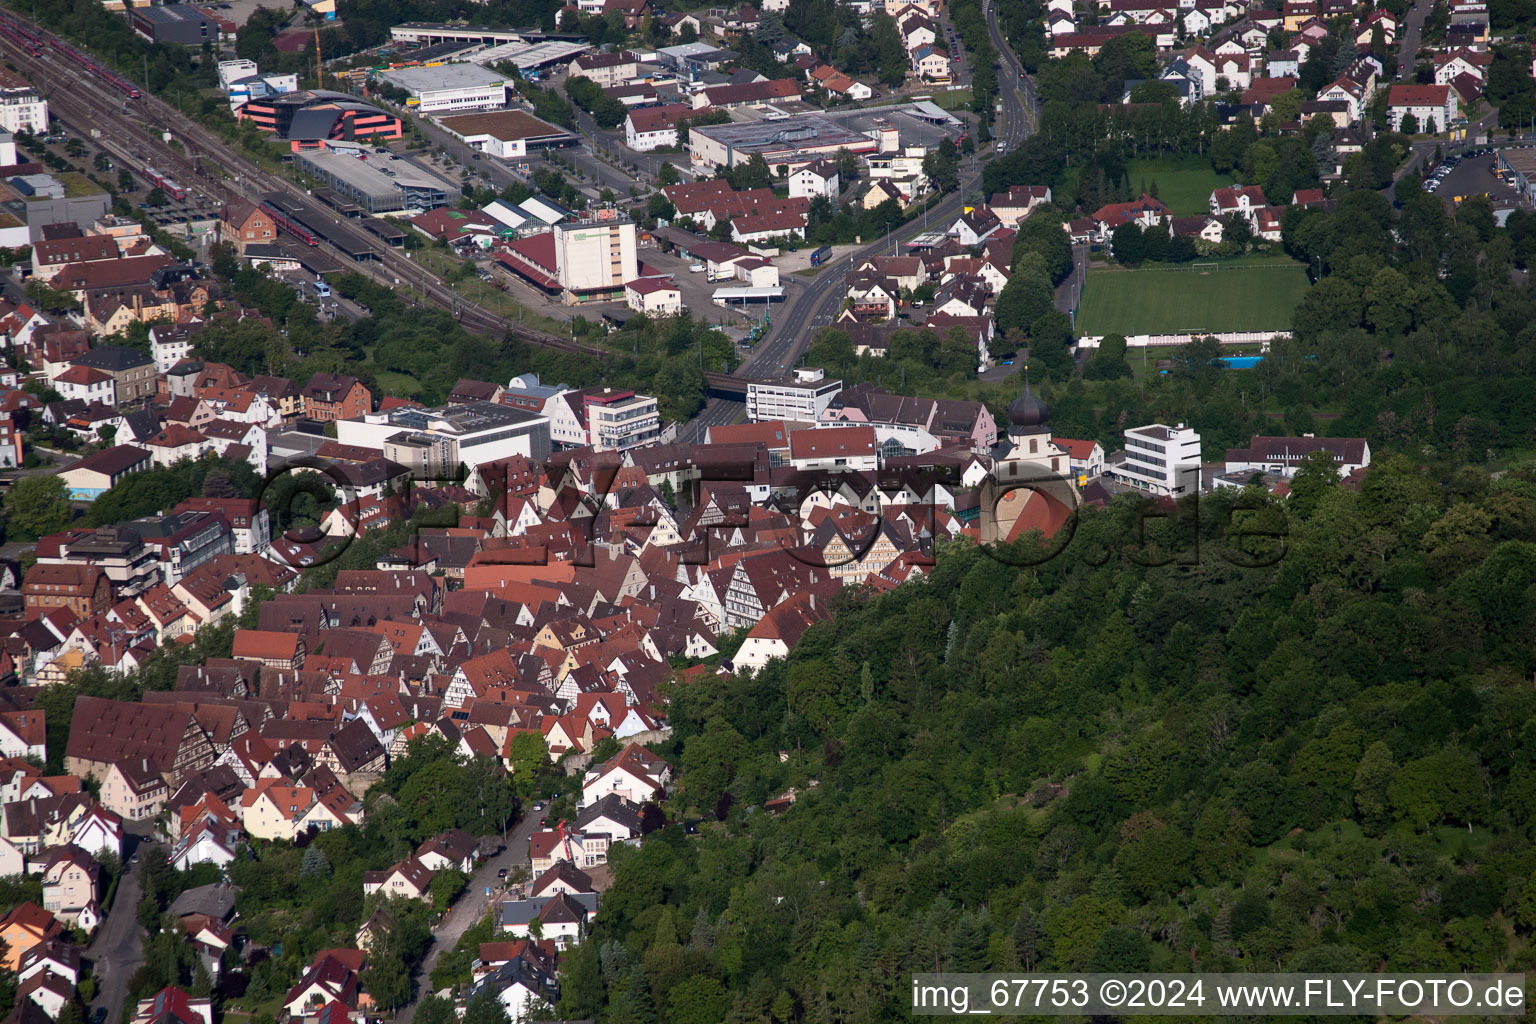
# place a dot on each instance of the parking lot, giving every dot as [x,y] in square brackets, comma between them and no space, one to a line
[1470,175]
[698,291]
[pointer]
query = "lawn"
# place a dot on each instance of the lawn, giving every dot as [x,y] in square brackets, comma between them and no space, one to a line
[953,99]
[1239,295]
[1184,183]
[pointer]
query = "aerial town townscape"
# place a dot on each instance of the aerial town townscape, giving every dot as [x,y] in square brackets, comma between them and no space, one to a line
[630,513]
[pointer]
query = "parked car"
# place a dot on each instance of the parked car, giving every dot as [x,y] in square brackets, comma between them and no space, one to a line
[502,874]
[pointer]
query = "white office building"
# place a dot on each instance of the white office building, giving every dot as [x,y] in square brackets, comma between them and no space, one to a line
[232,71]
[450,88]
[1162,460]
[620,420]
[433,442]
[800,399]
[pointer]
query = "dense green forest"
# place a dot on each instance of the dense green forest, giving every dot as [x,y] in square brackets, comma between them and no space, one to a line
[1324,764]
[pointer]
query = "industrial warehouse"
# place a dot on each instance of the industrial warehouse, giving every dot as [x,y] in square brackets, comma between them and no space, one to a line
[507,133]
[804,137]
[449,88]
[375,181]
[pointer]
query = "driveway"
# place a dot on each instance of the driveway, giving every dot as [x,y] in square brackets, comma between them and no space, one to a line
[483,890]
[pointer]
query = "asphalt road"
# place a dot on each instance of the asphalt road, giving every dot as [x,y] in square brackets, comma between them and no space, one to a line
[1016,89]
[471,906]
[812,302]
[116,950]
[1070,292]
[1408,43]
[817,299]
[1423,151]
[717,412]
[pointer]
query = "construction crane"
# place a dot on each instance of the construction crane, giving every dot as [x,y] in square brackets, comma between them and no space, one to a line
[319,67]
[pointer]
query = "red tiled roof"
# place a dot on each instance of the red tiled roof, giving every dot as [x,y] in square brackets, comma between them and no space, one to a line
[1418,95]
[820,444]
[655,119]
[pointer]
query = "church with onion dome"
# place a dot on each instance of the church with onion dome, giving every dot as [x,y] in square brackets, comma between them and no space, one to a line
[1031,485]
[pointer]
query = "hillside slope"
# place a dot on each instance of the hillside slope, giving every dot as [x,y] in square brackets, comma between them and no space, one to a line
[1326,763]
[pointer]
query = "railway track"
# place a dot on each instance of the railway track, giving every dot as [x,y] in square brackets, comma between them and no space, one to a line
[132,131]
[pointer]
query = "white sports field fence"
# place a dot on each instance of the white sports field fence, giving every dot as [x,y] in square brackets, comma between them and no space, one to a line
[1260,338]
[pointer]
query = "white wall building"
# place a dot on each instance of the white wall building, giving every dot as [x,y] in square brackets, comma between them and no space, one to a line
[169,345]
[22,109]
[620,420]
[1160,459]
[231,71]
[800,399]
[817,179]
[1429,104]
[655,296]
[450,88]
[433,442]
[1284,455]
[595,257]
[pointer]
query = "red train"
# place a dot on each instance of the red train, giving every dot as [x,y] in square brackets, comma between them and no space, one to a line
[85,63]
[289,218]
[12,28]
[164,183]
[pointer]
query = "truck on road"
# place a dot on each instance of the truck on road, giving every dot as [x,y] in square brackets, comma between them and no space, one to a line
[820,254]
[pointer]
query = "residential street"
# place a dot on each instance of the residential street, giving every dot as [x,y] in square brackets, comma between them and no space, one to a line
[471,906]
[116,951]
[1413,32]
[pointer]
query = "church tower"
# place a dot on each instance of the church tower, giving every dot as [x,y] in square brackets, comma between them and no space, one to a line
[1031,486]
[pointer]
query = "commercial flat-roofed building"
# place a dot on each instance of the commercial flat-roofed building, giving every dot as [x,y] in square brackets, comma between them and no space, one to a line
[689,57]
[1161,459]
[508,134]
[532,56]
[1520,164]
[801,398]
[802,138]
[618,420]
[376,182]
[181,23]
[430,33]
[313,117]
[449,88]
[433,442]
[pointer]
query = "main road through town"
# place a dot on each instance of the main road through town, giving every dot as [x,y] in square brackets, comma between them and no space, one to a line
[813,302]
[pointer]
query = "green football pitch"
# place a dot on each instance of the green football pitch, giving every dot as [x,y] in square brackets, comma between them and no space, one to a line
[1195,297]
